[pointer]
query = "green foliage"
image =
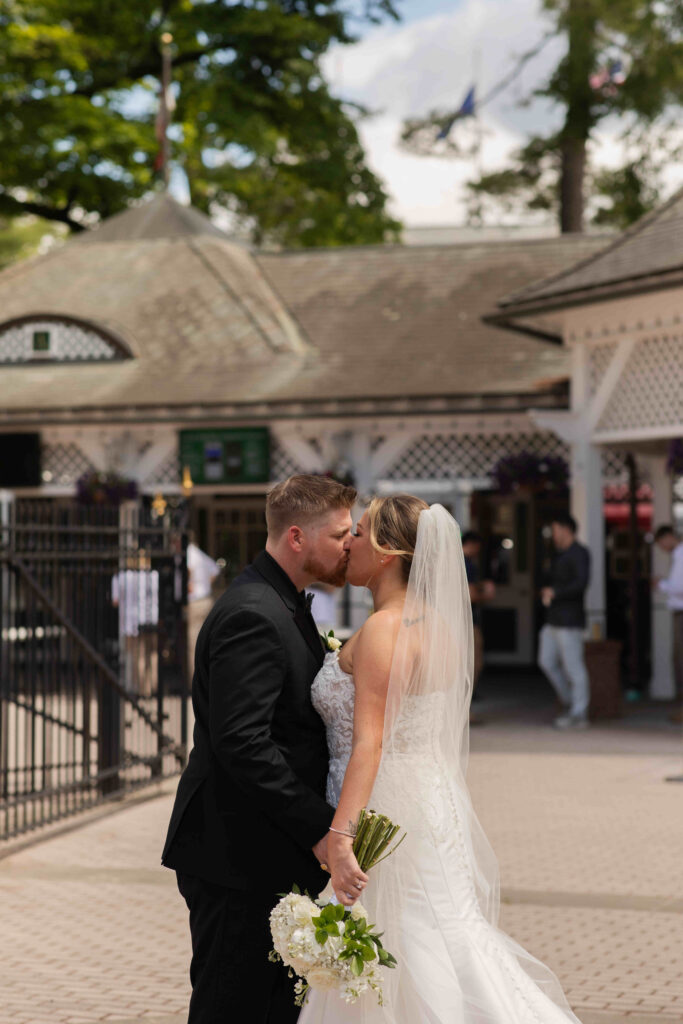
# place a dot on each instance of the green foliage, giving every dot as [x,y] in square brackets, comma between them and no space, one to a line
[256,127]
[629,193]
[21,237]
[361,945]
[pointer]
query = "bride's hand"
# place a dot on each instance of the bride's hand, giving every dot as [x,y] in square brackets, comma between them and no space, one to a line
[348,881]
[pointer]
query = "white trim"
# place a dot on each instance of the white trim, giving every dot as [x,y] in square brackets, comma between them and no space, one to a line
[640,434]
[568,426]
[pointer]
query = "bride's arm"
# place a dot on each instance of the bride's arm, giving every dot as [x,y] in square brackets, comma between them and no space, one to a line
[372,655]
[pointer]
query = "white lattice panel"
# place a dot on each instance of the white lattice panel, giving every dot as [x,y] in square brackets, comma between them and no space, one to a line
[64,463]
[599,359]
[167,472]
[614,466]
[649,392]
[439,456]
[68,342]
[282,464]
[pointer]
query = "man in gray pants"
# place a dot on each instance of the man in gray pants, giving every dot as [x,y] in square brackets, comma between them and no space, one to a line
[561,641]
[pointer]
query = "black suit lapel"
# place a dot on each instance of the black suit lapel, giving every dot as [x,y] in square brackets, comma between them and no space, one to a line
[309,630]
[269,569]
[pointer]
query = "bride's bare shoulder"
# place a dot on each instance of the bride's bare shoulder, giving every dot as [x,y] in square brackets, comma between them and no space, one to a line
[377,635]
[381,628]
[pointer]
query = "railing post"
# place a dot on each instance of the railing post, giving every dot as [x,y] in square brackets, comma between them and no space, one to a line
[6,504]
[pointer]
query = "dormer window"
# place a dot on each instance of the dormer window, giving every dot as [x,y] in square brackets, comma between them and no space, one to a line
[41,343]
[54,338]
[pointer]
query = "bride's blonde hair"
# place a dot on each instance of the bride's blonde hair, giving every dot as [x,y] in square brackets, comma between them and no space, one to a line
[393,526]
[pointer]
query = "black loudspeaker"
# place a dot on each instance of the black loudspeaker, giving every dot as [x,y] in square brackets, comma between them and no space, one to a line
[20,460]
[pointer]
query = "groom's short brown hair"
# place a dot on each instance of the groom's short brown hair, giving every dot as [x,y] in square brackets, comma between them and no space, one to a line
[300,499]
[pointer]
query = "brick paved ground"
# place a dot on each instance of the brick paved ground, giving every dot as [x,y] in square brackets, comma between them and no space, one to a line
[588,836]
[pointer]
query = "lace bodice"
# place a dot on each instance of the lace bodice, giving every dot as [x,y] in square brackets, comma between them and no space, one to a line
[333,695]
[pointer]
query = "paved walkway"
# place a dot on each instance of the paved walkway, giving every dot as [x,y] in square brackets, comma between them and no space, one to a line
[588,835]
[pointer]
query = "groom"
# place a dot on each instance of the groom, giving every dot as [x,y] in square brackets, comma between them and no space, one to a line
[250,817]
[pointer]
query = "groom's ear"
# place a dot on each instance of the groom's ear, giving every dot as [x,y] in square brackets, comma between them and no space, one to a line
[295,538]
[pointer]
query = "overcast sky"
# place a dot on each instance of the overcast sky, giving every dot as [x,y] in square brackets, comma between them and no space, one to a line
[429,60]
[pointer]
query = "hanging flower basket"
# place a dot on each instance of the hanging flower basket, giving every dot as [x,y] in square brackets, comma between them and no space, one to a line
[674,462]
[96,488]
[528,471]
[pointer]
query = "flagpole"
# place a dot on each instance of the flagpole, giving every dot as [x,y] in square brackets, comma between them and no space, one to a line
[476,78]
[166,41]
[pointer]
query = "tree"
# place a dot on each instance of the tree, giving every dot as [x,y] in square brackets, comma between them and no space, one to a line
[21,237]
[552,171]
[256,127]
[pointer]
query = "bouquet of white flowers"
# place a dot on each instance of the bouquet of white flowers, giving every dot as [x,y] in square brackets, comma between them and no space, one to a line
[328,946]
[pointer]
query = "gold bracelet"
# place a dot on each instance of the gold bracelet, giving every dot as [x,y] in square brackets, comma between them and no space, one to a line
[339,832]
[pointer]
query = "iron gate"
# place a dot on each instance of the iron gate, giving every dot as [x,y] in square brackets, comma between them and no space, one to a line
[93,665]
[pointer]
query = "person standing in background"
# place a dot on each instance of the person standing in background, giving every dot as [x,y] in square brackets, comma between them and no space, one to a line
[561,654]
[667,540]
[202,570]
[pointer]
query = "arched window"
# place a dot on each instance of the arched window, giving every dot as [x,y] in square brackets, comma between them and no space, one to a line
[55,338]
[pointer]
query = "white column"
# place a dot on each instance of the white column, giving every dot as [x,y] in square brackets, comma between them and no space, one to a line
[662,686]
[587,509]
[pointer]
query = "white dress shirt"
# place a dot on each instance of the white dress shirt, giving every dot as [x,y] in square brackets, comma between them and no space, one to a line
[672,586]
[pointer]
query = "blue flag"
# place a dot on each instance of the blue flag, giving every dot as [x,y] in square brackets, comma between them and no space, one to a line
[466,109]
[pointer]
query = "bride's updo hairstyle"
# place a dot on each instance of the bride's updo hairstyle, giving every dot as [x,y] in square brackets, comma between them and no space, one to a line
[393,527]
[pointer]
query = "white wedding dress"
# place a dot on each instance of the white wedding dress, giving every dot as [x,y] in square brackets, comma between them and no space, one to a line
[454,966]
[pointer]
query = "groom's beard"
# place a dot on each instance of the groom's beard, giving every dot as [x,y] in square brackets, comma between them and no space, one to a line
[336,577]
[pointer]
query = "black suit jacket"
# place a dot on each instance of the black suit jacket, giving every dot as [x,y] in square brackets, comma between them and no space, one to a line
[569,577]
[251,802]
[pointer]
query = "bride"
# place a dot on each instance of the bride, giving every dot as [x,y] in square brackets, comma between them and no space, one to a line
[395,701]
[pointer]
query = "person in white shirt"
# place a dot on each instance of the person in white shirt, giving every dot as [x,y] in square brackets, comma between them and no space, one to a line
[668,540]
[202,571]
[135,592]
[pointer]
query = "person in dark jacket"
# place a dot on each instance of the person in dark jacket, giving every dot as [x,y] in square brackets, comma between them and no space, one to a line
[250,817]
[561,653]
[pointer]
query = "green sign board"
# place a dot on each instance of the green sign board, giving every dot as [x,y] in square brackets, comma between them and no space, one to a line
[239,456]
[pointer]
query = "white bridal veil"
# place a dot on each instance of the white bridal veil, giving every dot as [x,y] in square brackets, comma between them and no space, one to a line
[437,898]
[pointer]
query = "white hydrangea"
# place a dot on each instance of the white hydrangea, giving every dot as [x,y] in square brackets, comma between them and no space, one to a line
[295,944]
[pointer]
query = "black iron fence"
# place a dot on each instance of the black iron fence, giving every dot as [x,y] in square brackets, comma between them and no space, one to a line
[93,666]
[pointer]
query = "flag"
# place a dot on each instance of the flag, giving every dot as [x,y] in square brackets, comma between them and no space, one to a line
[608,78]
[466,109]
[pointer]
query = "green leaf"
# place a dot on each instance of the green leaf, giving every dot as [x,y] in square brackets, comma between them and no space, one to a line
[357,965]
[321,937]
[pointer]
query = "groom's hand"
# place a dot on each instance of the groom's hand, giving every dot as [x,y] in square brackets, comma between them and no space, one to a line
[320,850]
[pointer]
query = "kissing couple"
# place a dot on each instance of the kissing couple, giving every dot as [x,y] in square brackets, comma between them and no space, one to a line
[292,740]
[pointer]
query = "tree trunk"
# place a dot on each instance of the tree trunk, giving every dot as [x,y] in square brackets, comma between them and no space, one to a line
[571,185]
[581,25]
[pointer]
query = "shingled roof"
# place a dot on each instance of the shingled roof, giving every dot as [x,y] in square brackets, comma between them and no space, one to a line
[646,257]
[398,320]
[192,307]
[208,323]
